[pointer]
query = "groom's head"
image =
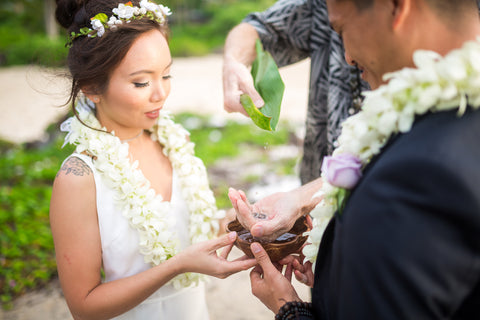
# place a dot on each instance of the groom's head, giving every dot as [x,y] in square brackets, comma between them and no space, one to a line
[380,36]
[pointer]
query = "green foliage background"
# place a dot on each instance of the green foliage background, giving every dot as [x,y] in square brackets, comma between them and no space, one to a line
[198,27]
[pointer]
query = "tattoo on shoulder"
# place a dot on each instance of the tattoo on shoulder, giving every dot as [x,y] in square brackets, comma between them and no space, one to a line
[76,167]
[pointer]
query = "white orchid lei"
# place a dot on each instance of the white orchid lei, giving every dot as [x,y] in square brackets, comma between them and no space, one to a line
[436,84]
[124,13]
[146,211]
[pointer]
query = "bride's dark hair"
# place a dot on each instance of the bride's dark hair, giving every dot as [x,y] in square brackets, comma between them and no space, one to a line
[91,61]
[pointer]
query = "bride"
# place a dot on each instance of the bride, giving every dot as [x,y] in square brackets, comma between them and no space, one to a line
[132,202]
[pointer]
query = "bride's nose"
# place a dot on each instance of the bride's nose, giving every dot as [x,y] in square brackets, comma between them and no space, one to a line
[160,91]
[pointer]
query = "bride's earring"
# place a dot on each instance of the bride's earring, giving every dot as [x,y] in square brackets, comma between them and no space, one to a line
[96,99]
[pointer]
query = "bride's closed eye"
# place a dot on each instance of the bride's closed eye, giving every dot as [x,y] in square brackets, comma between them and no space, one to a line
[141,84]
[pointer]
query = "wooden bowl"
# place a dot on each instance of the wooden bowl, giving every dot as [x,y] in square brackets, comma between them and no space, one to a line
[286,244]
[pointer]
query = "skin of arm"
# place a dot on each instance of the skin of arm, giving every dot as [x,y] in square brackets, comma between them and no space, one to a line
[282,209]
[239,53]
[76,234]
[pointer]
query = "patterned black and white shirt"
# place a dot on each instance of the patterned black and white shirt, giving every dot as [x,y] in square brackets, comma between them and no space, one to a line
[292,30]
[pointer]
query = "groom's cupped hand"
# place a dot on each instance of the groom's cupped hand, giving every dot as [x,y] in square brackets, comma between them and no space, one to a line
[269,285]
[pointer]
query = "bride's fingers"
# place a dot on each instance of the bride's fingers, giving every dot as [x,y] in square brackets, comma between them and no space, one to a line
[244,257]
[223,241]
[226,251]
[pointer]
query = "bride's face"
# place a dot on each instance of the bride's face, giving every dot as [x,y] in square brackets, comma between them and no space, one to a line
[138,87]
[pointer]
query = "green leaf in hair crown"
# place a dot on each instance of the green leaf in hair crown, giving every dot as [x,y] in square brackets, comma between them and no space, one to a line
[269,84]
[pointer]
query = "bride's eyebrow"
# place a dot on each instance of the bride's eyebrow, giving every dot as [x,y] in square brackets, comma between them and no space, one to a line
[149,71]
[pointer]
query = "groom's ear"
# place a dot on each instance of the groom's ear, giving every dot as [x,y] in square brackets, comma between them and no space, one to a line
[401,11]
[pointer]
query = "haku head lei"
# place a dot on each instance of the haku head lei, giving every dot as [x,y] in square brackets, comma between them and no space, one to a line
[124,13]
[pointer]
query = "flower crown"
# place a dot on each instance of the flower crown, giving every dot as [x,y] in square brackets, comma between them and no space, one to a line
[124,13]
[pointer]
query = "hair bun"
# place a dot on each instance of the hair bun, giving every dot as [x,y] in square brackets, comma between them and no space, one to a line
[66,11]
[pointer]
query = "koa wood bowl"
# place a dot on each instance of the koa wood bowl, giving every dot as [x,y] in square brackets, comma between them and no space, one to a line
[286,244]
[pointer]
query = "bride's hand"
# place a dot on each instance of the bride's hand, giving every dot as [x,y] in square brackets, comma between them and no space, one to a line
[203,258]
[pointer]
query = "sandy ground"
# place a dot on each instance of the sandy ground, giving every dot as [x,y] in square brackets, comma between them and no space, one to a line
[30,100]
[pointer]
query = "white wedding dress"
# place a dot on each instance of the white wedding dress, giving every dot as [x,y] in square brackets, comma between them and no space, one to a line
[122,258]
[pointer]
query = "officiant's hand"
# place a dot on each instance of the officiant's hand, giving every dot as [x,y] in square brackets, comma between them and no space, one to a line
[238,80]
[302,270]
[271,216]
[203,258]
[268,283]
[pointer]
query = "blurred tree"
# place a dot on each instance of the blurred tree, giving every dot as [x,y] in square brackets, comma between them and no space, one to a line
[51,26]
[26,14]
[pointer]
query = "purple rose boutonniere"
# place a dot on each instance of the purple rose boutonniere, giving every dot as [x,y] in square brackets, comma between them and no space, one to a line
[342,171]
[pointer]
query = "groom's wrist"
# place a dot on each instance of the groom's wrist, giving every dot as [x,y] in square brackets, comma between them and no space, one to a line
[293,309]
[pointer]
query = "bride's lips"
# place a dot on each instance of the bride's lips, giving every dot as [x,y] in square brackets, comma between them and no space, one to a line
[153,114]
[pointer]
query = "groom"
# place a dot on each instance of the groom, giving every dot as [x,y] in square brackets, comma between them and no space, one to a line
[407,243]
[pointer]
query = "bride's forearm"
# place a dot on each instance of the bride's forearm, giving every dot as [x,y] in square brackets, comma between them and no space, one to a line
[113,298]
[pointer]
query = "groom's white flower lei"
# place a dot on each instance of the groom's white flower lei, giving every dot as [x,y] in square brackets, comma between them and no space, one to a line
[437,84]
[124,13]
[146,211]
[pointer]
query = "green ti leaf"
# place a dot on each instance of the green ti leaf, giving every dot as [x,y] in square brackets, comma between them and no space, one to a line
[269,84]
[102,17]
[257,117]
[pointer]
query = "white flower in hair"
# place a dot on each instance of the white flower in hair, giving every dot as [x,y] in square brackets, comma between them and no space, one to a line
[123,11]
[166,10]
[113,22]
[98,25]
[149,6]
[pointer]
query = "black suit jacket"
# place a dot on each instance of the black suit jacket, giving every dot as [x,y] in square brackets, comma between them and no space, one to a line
[407,245]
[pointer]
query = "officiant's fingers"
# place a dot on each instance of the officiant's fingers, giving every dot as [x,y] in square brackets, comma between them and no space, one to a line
[237,195]
[288,272]
[245,215]
[243,196]
[234,197]
[301,277]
